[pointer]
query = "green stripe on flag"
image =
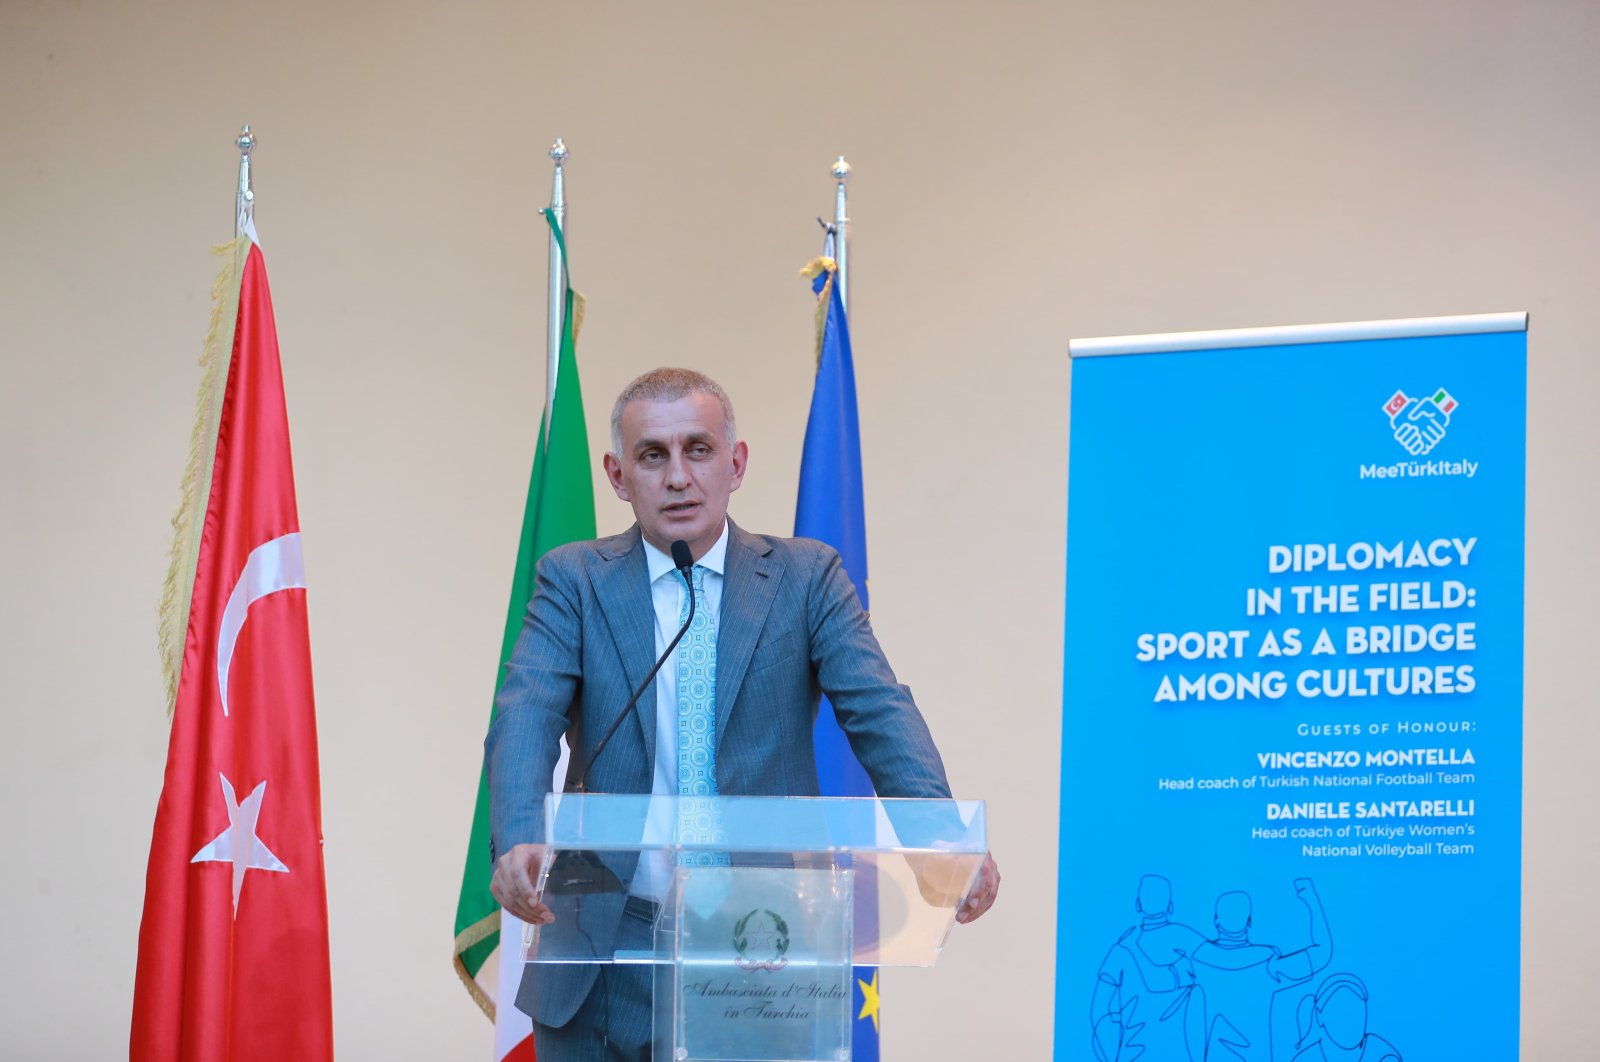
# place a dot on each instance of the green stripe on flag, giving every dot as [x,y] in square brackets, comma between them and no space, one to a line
[559,509]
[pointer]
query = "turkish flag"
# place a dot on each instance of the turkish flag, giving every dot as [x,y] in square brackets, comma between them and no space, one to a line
[233,947]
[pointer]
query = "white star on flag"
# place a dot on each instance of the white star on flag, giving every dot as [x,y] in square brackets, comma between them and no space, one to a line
[238,844]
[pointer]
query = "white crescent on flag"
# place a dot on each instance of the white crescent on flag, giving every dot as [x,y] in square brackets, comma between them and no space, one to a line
[271,566]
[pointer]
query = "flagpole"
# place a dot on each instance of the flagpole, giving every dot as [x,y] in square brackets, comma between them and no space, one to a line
[244,203]
[558,208]
[841,230]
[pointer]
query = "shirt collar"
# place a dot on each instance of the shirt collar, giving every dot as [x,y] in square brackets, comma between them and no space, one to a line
[714,561]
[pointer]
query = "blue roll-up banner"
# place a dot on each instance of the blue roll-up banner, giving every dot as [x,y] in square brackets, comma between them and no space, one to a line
[1291,764]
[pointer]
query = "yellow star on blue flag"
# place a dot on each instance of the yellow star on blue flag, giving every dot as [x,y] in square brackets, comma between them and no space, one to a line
[869,999]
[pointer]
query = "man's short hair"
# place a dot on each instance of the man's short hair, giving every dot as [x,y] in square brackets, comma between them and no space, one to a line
[668,385]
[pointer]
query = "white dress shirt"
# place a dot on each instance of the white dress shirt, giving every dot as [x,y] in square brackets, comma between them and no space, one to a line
[667,595]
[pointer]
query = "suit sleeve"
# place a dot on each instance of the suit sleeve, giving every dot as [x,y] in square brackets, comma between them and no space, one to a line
[876,712]
[533,707]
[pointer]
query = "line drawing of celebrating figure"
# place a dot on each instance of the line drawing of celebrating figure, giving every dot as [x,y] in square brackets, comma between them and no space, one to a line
[1242,980]
[1146,1002]
[1333,1025]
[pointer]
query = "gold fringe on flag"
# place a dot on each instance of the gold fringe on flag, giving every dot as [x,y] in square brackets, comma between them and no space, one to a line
[481,930]
[189,523]
[579,306]
[813,269]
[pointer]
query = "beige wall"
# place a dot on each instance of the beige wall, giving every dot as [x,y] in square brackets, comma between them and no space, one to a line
[1026,174]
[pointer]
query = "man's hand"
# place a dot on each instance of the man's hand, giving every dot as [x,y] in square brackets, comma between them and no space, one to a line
[984,890]
[515,884]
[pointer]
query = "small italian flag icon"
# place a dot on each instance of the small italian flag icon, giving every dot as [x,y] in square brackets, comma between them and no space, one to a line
[1444,401]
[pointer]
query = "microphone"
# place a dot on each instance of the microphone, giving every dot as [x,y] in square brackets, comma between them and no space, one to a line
[575,871]
[683,559]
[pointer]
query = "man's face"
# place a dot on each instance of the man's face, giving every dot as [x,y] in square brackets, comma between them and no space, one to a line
[676,469]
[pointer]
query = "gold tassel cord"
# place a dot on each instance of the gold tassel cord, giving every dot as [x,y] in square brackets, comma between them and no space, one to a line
[818,266]
[189,522]
[813,269]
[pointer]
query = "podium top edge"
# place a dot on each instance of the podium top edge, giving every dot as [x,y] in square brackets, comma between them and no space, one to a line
[754,824]
[1284,335]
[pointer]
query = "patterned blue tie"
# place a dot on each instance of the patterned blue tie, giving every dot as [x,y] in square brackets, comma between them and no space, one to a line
[697,730]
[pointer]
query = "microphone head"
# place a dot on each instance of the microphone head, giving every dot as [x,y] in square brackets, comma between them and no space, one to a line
[681,555]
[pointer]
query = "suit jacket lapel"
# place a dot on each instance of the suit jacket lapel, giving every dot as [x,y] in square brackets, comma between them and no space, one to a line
[750,583]
[622,587]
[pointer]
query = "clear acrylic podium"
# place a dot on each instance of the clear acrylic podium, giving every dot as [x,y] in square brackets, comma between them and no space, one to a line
[766,905]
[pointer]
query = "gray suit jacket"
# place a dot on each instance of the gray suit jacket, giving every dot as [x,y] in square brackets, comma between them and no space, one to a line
[791,629]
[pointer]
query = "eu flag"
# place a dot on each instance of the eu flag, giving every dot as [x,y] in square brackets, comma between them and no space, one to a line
[830,509]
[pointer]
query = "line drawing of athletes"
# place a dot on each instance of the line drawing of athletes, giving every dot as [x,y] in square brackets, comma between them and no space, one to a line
[1147,1004]
[1333,1025]
[1242,980]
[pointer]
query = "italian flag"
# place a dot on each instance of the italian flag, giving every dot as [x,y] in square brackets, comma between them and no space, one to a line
[233,945]
[559,509]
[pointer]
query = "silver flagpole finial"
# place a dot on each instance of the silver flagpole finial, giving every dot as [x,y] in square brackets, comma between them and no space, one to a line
[245,201]
[558,289]
[841,229]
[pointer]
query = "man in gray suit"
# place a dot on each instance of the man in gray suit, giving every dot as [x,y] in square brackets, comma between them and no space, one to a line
[789,627]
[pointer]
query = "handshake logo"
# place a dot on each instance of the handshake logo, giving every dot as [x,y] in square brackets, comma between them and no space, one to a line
[1419,423]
